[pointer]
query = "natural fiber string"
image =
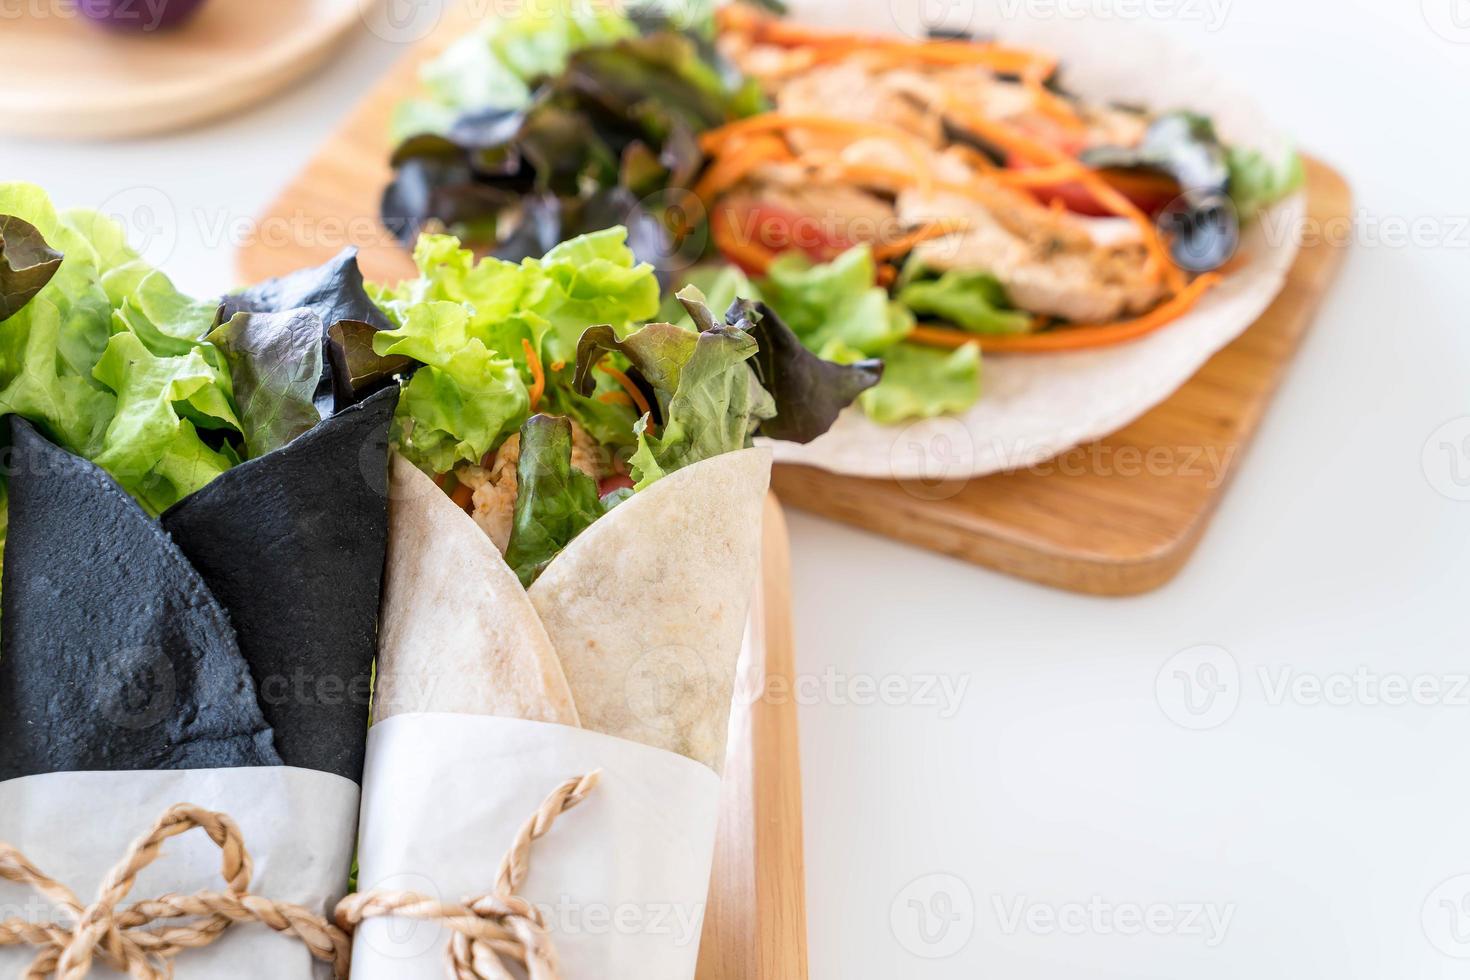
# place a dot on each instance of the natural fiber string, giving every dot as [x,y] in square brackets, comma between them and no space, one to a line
[494,930]
[487,932]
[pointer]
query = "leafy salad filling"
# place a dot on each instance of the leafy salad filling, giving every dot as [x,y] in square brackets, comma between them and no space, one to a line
[917,201]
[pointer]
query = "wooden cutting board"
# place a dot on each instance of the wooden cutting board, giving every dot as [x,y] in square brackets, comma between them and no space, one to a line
[755,924]
[67,78]
[1122,515]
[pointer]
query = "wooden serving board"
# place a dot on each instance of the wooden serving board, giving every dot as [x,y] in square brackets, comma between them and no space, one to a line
[68,78]
[755,924]
[1128,525]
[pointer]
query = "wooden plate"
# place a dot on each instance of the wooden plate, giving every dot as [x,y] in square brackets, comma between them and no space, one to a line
[755,924]
[65,77]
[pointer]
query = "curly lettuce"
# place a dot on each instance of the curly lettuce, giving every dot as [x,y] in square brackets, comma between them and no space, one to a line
[115,364]
[469,322]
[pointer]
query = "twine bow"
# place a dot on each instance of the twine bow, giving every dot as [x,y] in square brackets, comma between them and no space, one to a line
[488,932]
[494,930]
[115,934]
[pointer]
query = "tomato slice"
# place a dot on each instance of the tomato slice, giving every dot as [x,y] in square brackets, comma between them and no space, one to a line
[1150,193]
[779,229]
[609,484]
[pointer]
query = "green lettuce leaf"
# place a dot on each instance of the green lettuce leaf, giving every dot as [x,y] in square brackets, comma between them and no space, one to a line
[497,65]
[710,401]
[468,322]
[921,382]
[152,445]
[836,302]
[555,501]
[463,401]
[274,362]
[1257,182]
[974,301]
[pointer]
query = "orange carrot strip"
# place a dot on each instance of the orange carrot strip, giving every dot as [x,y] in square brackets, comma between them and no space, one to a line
[628,386]
[734,165]
[615,398]
[1073,338]
[538,376]
[1051,105]
[914,148]
[906,243]
[763,29]
[750,255]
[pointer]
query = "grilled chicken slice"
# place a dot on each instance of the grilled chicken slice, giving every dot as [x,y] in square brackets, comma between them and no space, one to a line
[1050,263]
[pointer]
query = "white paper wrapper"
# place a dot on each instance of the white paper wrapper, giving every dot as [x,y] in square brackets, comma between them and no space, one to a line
[298,825]
[621,879]
[1033,407]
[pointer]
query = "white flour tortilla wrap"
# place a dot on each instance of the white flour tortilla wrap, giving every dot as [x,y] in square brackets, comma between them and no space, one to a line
[640,618]
[646,608]
[458,633]
[1033,407]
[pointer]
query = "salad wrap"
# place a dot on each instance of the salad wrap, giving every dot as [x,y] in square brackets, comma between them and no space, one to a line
[563,601]
[190,592]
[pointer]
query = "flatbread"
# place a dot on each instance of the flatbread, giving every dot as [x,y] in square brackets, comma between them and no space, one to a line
[647,607]
[116,655]
[459,633]
[292,545]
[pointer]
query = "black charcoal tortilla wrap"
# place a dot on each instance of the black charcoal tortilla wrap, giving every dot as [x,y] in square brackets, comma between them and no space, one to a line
[219,655]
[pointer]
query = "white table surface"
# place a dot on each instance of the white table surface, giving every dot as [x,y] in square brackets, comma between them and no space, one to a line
[1055,820]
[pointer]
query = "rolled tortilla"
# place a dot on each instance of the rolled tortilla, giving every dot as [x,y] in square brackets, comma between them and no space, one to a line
[459,634]
[634,629]
[647,607]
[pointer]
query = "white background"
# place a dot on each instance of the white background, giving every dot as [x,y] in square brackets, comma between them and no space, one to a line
[1062,779]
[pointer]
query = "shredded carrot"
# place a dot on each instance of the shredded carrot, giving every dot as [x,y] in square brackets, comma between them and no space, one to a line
[463,496]
[1051,105]
[538,376]
[915,149]
[628,386]
[763,29]
[906,243]
[735,164]
[615,398]
[750,255]
[1073,338]
[558,365]
[884,275]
